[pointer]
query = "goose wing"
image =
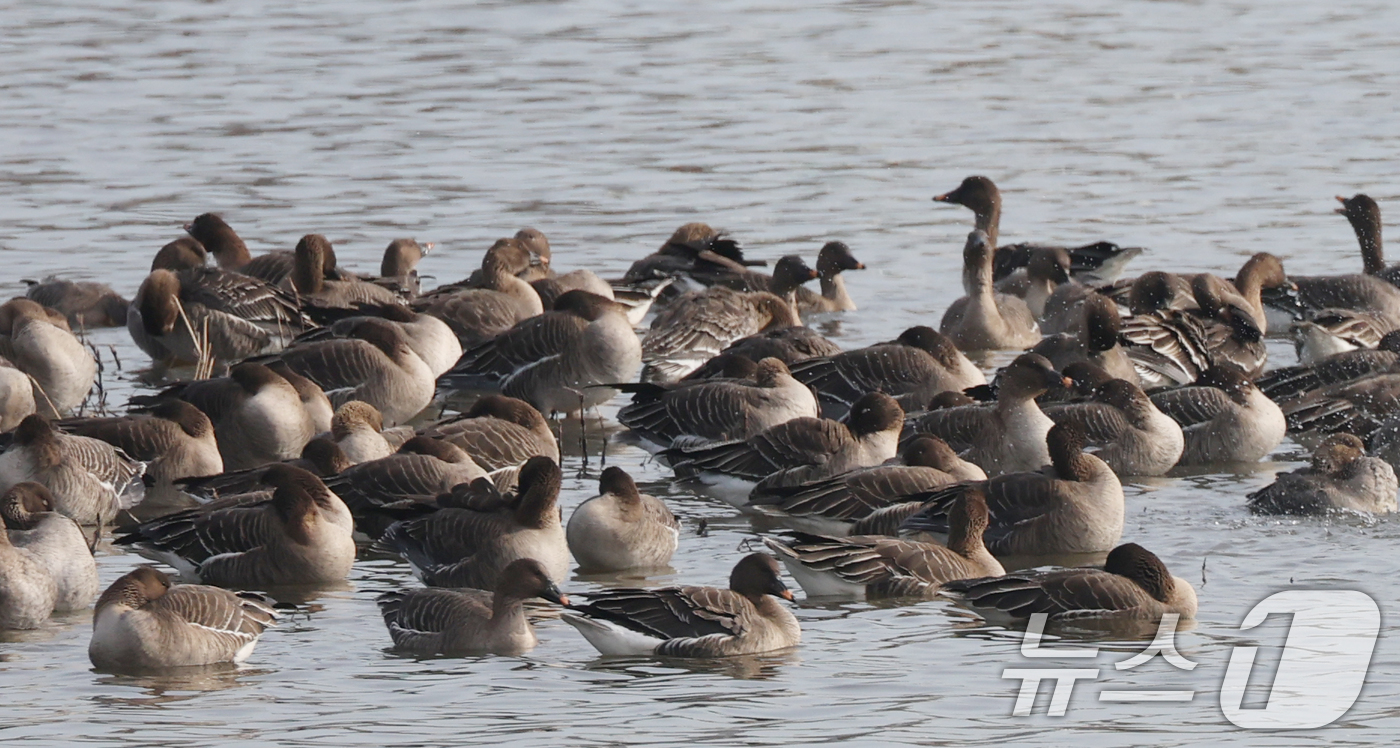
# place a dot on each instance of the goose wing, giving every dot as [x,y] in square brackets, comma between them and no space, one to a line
[959,425]
[241,296]
[527,342]
[1101,423]
[855,494]
[416,619]
[671,612]
[199,534]
[1189,406]
[336,364]
[1062,594]
[142,437]
[235,618]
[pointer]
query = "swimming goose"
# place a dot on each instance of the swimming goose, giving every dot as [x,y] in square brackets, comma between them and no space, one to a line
[693,621]
[422,467]
[358,429]
[143,622]
[498,432]
[1133,585]
[27,591]
[300,536]
[912,368]
[1293,382]
[37,341]
[182,254]
[1008,436]
[489,303]
[309,283]
[555,360]
[1047,271]
[1333,331]
[789,273]
[173,438]
[541,268]
[984,319]
[621,528]
[1364,215]
[428,336]
[1224,418]
[833,259]
[16,396]
[243,316]
[876,567]
[1309,295]
[1075,505]
[398,270]
[787,344]
[830,506]
[701,324]
[453,622]
[373,363]
[711,410]
[798,451]
[457,546]
[1341,476]
[219,239]
[1096,340]
[57,541]
[1173,347]
[84,303]
[321,457]
[87,477]
[1132,435]
[678,256]
[1101,261]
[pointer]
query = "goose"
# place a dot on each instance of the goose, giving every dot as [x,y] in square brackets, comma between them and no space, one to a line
[1048,269]
[57,542]
[678,256]
[321,457]
[358,429]
[700,324]
[498,432]
[37,341]
[1075,505]
[1008,436]
[834,259]
[1333,331]
[621,528]
[1293,382]
[1358,406]
[142,622]
[984,319]
[174,439]
[829,507]
[16,396]
[693,621]
[1101,261]
[459,546]
[541,267]
[1133,437]
[1341,477]
[313,399]
[876,567]
[312,258]
[422,467]
[1224,418]
[1133,585]
[88,478]
[84,303]
[1096,341]
[555,360]
[489,303]
[1172,348]
[797,451]
[428,336]
[912,368]
[398,269]
[374,363]
[789,273]
[1364,215]
[1308,295]
[787,344]
[716,410]
[300,536]
[27,590]
[453,622]
[181,254]
[243,316]
[229,251]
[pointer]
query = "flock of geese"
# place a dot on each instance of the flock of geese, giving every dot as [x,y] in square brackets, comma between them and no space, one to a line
[291,426]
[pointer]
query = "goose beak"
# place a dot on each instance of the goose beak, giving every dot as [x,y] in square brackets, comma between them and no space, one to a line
[1067,382]
[1343,209]
[553,595]
[786,595]
[427,246]
[941,198]
[187,227]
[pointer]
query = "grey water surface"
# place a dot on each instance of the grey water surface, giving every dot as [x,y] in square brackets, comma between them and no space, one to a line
[1204,131]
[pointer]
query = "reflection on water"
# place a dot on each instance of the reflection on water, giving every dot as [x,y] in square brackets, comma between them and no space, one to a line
[1205,132]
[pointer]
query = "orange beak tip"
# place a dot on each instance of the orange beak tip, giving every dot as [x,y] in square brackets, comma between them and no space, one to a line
[1341,199]
[860,266]
[1340,211]
[787,595]
[563,599]
[1068,382]
[940,198]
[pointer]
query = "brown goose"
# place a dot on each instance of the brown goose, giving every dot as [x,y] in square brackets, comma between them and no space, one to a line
[300,536]
[1309,295]
[421,469]
[27,590]
[16,396]
[182,254]
[37,341]
[312,259]
[142,622]
[55,540]
[88,478]
[1364,215]
[912,368]
[229,251]
[1096,341]
[678,257]
[984,319]
[358,429]
[489,303]
[453,622]
[1341,477]
[711,410]
[498,432]
[799,451]
[1133,437]
[787,344]
[1008,436]
[1293,382]
[1073,506]
[458,546]
[789,273]
[321,457]
[1133,585]
[874,567]
[428,336]
[398,269]
[621,528]
[700,324]
[1333,331]
[173,438]
[1224,418]
[834,259]
[1172,348]
[84,303]
[693,621]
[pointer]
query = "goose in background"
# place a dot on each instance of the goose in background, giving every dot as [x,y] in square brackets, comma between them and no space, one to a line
[476,311]
[696,327]
[621,528]
[84,303]
[787,344]
[173,438]
[1364,215]
[27,591]
[878,567]
[1096,341]
[398,270]
[834,259]
[984,319]
[231,254]
[716,410]
[1009,435]
[16,396]
[912,368]
[312,260]
[1309,295]
[1048,269]
[1293,382]
[1174,348]
[181,254]
[55,540]
[437,621]
[422,468]
[1100,261]
[90,479]
[678,256]
[1223,418]
[693,621]
[498,432]
[1131,435]
[142,622]
[541,268]
[789,273]
[1341,477]
[300,536]
[1133,585]
[1333,331]
[1073,506]
[321,457]
[357,428]
[428,336]
[37,341]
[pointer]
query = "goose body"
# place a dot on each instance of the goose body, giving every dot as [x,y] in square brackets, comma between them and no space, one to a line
[914,367]
[984,319]
[55,540]
[89,478]
[701,324]
[621,528]
[37,341]
[1341,477]
[1223,418]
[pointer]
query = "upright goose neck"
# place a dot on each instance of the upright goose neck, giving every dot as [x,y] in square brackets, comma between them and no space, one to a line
[834,289]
